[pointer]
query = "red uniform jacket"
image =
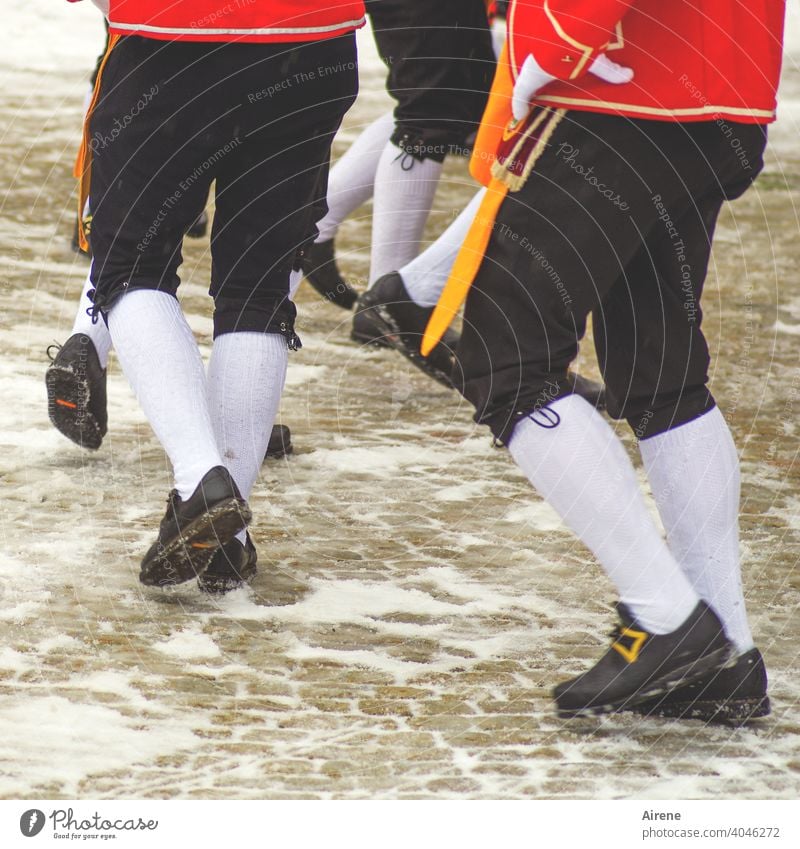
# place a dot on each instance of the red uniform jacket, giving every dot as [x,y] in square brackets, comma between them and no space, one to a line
[693,60]
[235,20]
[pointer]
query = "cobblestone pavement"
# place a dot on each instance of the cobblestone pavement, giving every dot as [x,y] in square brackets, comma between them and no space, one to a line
[415,602]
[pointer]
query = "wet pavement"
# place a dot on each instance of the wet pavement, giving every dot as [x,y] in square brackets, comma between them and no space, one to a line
[416,601]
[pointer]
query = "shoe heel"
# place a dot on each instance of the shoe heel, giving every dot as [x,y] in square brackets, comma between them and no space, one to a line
[220,525]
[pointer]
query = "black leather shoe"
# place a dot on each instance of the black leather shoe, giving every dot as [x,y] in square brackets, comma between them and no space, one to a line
[280,443]
[732,696]
[231,567]
[321,271]
[76,392]
[386,315]
[639,666]
[193,530]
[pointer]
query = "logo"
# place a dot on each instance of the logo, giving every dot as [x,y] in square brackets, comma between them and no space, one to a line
[31,822]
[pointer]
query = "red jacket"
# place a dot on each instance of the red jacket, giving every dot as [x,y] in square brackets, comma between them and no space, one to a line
[693,60]
[235,20]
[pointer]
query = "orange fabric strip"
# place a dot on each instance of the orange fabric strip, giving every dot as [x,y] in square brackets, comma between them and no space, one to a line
[493,124]
[494,121]
[465,268]
[83,162]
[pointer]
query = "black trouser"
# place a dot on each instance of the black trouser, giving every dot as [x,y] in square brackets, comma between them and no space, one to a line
[441,65]
[615,220]
[175,116]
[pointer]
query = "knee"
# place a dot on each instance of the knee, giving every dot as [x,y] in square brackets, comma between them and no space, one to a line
[250,315]
[666,413]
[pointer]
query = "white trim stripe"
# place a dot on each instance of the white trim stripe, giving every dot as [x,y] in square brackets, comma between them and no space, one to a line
[235,31]
[585,49]
[512,58]
[555,100]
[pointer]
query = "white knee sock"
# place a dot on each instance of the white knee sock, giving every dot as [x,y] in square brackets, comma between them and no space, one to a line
[404,190]
[97,332]
[295,279]
[246,374]
[424,277]
[694,474]
[159,355]
[581,469]
[352,178]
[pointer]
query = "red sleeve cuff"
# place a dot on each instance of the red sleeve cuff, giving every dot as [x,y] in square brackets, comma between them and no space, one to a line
[564,37]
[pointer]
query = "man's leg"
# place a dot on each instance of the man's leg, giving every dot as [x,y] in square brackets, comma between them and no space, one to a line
[441,65]
[396,309]
[352,178]
[558,248]
[147,184]
[424,277]
[658,383]
[266,199]
[651,347]
[76,378]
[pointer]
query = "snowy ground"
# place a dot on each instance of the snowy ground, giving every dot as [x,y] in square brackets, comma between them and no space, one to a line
[416,601]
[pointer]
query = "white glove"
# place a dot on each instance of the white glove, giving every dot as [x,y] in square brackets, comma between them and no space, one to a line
[532,78]
[102,5]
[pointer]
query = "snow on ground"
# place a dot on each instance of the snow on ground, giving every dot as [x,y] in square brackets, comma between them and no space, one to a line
[416,601]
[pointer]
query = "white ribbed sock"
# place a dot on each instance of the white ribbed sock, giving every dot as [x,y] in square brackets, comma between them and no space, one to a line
[246,374]
[97,332]
[404,190]
[581,469]
[295,279]
[499,33]
[694,474]
[352,178]
[159,355]
[424,277]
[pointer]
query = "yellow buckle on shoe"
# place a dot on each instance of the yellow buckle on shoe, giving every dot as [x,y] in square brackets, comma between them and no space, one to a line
[630,654]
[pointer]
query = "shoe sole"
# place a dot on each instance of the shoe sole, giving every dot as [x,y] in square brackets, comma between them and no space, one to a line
[221,584]
[378,341]
[279,449]
[188,555]
[277,453]
[388,336]
[68,398]
[658,687]
[733,712]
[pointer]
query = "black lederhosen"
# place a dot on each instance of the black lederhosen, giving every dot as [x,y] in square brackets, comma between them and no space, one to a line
[441,65]
[174,116]
[615,220]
